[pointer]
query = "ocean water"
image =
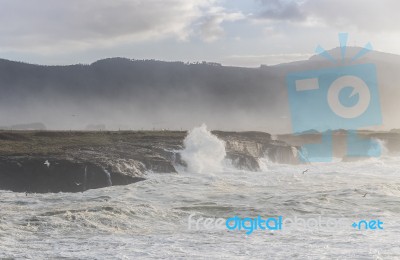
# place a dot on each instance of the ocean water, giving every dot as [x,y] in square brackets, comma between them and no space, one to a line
[150,219]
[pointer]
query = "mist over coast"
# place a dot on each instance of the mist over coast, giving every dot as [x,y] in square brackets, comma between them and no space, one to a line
[120,93]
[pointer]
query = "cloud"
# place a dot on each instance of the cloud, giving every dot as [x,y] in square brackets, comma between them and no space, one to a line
[362,15]
[210,28]
[281,10]
[51,26]
[48,25]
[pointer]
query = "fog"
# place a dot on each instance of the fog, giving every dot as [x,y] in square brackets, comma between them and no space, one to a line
[132,95]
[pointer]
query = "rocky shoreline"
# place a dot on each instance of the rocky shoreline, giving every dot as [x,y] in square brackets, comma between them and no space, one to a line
[73,161]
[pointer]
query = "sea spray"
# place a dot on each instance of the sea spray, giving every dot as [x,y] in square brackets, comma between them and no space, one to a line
[383,150]
[108,176]
[203,151]
[85,178]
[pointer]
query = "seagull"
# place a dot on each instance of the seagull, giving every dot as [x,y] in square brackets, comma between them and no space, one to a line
[365,195]
[78,184]
[306,170]
[47,163]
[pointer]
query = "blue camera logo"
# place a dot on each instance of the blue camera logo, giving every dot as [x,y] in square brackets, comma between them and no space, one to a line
[343,97]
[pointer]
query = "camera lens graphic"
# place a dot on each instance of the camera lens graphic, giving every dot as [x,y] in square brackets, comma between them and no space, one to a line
[359,87]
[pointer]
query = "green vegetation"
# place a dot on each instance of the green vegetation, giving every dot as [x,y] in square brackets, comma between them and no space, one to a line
[58,142]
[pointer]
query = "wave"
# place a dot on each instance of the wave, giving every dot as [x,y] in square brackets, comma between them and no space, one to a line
[203,151]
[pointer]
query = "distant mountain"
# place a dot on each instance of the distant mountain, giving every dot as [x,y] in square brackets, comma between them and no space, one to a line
[135,94]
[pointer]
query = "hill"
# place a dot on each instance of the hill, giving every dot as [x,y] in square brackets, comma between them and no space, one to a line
[127,94]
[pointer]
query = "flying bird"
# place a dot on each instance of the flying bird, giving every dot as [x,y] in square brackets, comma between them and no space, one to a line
[306,170]
[47,163]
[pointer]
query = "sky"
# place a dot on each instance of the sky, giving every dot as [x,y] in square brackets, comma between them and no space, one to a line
[244,33]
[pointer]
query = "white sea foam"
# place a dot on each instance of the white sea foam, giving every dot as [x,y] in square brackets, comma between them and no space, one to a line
[203,151]
[149,219]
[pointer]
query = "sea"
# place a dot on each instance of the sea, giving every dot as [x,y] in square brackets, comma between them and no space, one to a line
[173,215]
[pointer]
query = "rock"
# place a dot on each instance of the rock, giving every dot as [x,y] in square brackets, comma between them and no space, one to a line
[244,161]
[245,148]
[76,161]
[44,174]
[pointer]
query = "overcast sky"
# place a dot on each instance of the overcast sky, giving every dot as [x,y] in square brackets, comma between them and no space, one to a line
[232,32]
